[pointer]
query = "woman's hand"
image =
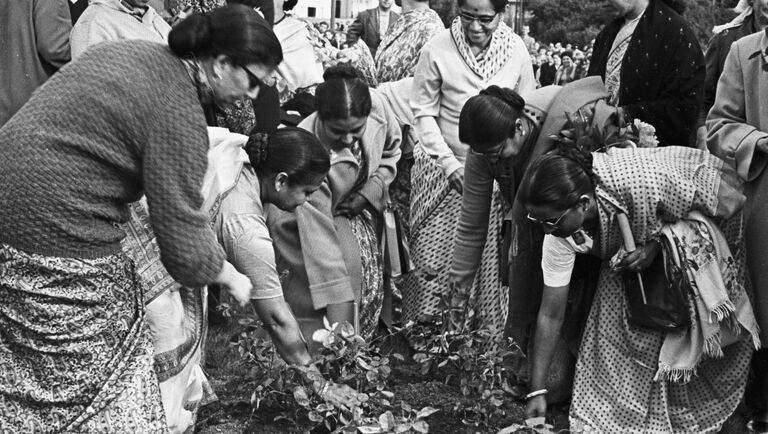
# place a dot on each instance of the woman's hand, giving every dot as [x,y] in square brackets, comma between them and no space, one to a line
[353,205]
[237,284]
[536,407]
[641,258]
[456,180]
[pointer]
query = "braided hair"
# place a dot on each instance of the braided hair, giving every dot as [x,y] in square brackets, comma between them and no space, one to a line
[489,118]
[559,178]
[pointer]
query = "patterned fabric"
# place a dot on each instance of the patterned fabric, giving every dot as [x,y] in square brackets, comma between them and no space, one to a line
[399,51]
[435,209]
[616,56]
[719,305]
[662,72]
[75,351]
[371,289]
[617,362]
[176,6]
[493,58]
[177,320]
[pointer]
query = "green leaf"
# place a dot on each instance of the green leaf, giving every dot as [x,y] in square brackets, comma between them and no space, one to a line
[301,396]
[387,421]
[315,416]
[421,426]
[426,412]
[369,429]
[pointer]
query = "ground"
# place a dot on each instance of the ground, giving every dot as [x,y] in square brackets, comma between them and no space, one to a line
[232,414]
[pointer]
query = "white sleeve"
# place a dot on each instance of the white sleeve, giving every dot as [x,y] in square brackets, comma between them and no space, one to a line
[557,259]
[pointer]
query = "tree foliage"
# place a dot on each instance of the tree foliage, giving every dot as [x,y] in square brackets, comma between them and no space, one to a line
[579,21]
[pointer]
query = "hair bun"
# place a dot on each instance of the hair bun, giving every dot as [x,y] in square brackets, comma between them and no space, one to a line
[257,148]
[505,94]
[342,72]
[191,35]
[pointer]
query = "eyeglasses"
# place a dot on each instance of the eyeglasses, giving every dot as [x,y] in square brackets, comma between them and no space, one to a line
[547,224]
[482,19]
[254,81]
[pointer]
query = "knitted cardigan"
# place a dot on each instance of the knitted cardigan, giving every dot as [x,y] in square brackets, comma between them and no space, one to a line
[122,120]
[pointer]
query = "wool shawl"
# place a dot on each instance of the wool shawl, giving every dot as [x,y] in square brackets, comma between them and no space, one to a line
[662,75]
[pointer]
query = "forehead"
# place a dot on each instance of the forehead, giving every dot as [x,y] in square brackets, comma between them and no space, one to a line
[478,6]
[347,124]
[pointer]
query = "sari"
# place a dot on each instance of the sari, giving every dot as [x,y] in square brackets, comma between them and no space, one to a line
[177,320]
[85,318]
[615,387]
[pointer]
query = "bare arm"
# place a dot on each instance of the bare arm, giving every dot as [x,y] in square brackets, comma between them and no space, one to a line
[548,324]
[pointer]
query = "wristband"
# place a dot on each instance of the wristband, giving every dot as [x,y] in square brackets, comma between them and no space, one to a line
[536,393]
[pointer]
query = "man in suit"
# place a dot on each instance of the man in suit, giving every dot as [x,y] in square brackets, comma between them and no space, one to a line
[371,25]
[737,131]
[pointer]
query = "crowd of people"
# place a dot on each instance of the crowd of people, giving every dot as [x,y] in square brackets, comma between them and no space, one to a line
[239,148]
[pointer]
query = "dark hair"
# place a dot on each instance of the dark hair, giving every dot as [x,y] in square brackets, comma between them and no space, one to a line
[343,94]
[488,118]
[558,178]
[235,31]
[288,5]
[498,5]
[266,7]
[292,150]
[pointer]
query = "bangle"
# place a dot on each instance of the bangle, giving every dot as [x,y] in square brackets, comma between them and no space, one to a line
[536,393]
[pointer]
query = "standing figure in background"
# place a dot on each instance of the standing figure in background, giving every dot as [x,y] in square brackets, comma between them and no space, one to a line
[34,43]
[477,51]
[113,20]
[328,251]
[653,66]
[752,18]
[399,51]
[566,73]
[528,39]
[738,133]
[372,24]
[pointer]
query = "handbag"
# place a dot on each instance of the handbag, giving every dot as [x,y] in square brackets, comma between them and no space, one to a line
[656,297]
[397,254]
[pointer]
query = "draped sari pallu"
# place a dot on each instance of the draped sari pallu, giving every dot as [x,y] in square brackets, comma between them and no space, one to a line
[614,388]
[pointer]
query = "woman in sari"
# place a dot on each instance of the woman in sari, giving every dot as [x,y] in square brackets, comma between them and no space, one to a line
[477,51]
[328,250]
[631,378]
[241,179]
[75,352]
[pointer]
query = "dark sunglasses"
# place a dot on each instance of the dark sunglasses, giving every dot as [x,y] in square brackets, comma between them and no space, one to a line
[253,80]
[482,19]
[548,224]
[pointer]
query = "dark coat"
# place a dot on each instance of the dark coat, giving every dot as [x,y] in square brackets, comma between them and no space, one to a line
[662,75]
[366,26]
[717,50]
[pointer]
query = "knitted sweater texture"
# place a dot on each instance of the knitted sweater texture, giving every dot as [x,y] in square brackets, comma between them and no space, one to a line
[122,120]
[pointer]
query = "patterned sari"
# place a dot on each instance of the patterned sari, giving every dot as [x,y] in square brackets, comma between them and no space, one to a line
[614,389]
[85,319]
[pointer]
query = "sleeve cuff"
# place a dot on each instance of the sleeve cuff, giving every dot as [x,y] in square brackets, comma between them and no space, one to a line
[334,292]
[374,193]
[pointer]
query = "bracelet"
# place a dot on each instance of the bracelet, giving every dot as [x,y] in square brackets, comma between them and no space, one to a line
[536,393]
